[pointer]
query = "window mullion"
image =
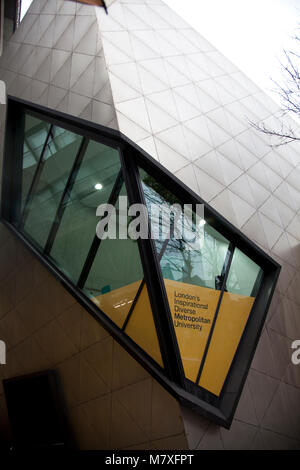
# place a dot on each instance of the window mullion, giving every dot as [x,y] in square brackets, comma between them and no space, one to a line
[97,241]
[225,270]
[154,280]
[165,244]
[35,180]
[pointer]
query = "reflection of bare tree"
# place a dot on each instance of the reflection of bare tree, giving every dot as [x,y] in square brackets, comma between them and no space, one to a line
[197,257]
[288,91]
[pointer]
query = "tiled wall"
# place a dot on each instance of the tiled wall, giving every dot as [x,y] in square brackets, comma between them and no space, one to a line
[174,94]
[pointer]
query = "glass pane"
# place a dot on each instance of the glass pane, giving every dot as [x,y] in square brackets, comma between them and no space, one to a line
[35,135]
[242,286]
[244,275]
[193,269]
[141,327]
[117,271]
[201,267]
[58,160]
[93,186]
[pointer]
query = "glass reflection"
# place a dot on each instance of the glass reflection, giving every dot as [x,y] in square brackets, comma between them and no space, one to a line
[193,269]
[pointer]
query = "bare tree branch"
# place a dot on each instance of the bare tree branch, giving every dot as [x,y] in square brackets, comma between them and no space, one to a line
[289,94]
[284,137]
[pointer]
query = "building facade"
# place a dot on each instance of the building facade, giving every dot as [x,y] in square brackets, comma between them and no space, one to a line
[143,71]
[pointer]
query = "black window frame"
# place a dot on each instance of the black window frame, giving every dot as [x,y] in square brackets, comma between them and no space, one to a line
[218,409]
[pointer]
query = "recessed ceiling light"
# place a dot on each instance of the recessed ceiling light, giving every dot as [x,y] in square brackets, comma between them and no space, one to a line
[98,186]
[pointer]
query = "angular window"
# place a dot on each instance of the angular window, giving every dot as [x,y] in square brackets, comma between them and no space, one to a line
[188,299]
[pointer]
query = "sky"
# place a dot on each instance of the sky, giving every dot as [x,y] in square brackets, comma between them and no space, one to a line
[24,7]
[251,33]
